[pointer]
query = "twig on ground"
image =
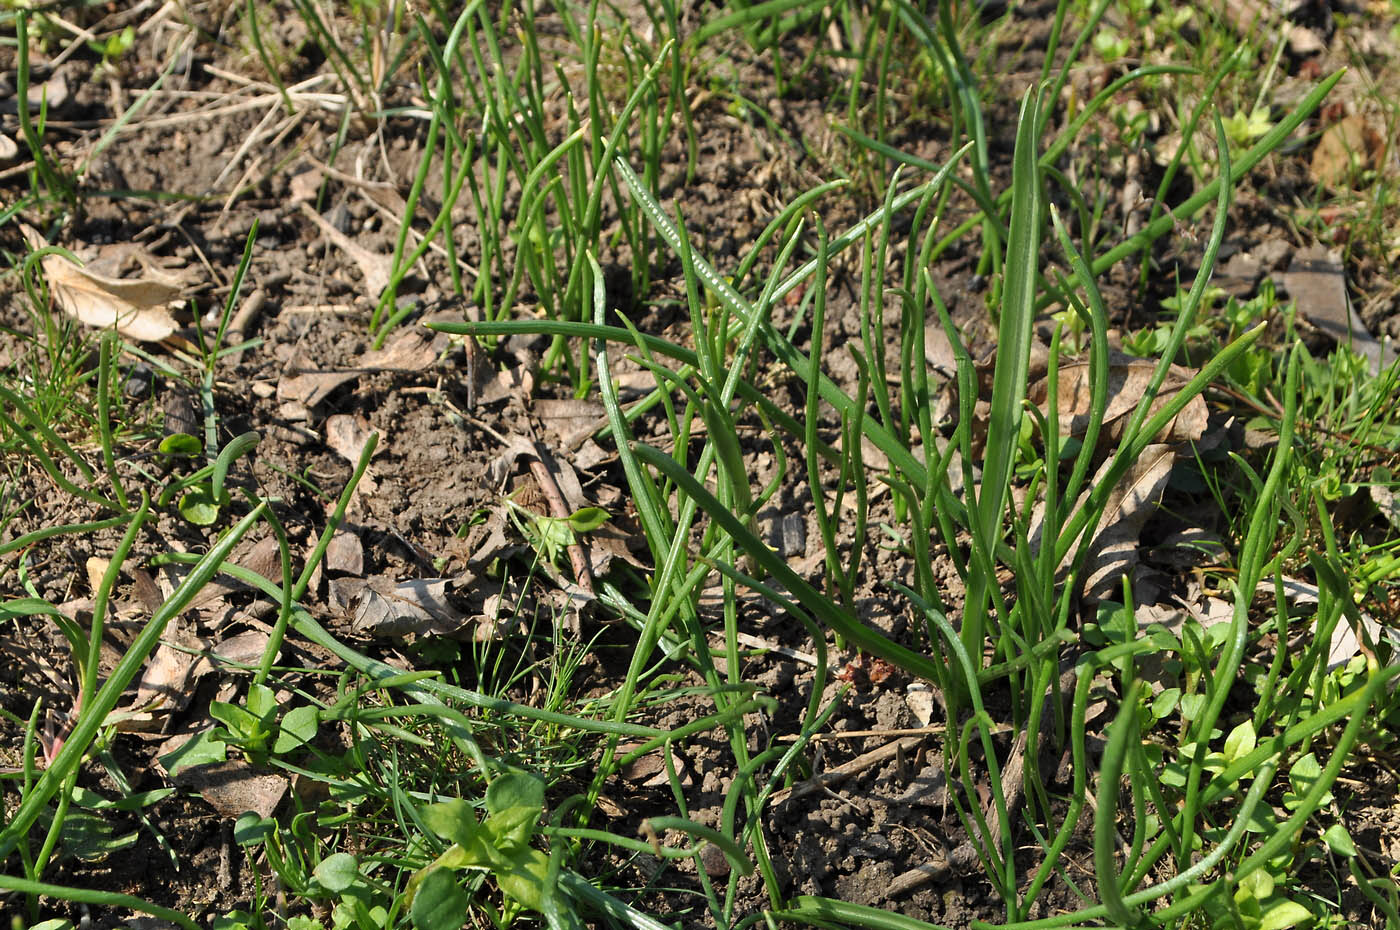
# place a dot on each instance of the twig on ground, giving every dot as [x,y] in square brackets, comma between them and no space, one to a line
[842,772]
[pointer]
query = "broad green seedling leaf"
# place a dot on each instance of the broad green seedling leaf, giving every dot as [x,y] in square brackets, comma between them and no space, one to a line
[1284,914]
[202,748]
[199,506]
[180,444]
[297,728]
[1339,840]
[588,519]
[1240,742]
[440,902]
[454,820]
[513,804]
[338,872]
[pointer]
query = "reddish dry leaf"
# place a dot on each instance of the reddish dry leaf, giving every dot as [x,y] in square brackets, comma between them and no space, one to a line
[1346,149]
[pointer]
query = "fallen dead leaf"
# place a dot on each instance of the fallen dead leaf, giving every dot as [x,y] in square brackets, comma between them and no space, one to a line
[1346,149]
[165,686]
[304,185]
[138,308]
[345,554]
[1344,645]
[568,422]
[1212,611]
[411,350]
[346,435]
[1128,379]
[233,788]
[1114,550]
[263,556]
[1384,497]
[307,385]
[649,771]
[246,648]
[919,699]
[939,352]
[419,607]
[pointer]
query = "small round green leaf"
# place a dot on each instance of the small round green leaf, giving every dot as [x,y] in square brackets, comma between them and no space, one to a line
[514,789]
[297,728]
[198,505]
[250,829]
[587,519]
[338,873]
[440,904]
[1240,742]
[1339,840]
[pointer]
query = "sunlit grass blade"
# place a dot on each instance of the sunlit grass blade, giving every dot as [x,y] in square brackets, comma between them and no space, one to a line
[1011,372]
[820,606]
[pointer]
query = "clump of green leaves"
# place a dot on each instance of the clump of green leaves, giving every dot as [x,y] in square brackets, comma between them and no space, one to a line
[498,844]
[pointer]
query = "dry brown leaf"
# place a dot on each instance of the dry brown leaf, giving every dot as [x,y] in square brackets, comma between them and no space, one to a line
[165,687]
[649,771]
[138,308]
[1344,645]
[304,186]
[1133,500]
[1345,150]
[345,554]
[263,556]
[508,383]
[233,788]
[568,422]
[246,648]
[942,358]
[346,435]
[919,699]
[1213,611]
[307,385]
[1316,280]
[419,607]
[1128,378]
[411,350]
[1384,498]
